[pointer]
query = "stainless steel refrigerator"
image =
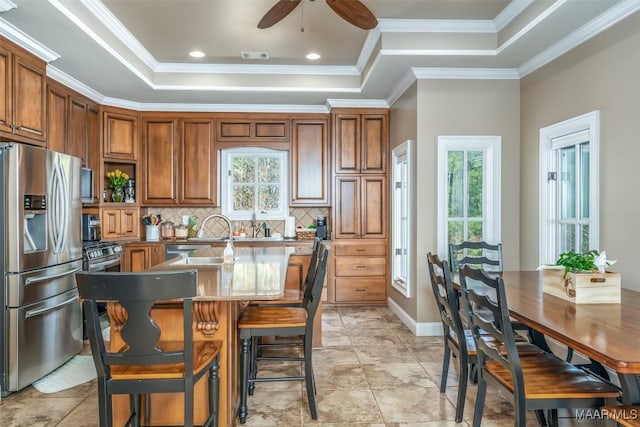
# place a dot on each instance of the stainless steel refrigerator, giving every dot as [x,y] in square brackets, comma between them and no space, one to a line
[40,252]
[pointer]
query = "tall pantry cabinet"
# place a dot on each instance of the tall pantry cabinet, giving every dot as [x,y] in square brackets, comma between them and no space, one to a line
[360,208]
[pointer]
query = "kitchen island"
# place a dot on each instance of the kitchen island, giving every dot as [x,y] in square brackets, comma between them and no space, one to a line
[258,273]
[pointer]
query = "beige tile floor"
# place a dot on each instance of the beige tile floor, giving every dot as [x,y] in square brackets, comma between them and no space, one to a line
[372,372]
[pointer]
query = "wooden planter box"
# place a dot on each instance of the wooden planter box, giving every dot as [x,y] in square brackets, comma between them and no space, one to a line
[582,288]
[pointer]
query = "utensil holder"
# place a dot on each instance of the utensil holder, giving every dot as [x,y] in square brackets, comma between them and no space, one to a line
[153,233]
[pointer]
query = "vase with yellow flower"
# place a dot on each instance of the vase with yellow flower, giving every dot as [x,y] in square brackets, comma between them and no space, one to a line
[117,181]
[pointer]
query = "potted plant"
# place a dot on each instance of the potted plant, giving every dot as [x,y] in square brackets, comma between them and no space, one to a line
[582,278]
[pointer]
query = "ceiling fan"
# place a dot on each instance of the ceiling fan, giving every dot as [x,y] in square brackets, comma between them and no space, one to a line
[352,11]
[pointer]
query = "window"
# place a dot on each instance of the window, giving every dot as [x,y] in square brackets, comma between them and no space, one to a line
[468,190]
[568,187]
[401,217]
[254,180]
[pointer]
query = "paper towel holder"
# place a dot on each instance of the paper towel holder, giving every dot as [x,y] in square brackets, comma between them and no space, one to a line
[290,227]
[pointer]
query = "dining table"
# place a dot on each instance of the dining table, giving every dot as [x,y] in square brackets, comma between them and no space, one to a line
[608,334]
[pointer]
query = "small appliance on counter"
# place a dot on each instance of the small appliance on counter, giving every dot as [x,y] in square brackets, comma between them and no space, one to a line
[90,228]
[321,227]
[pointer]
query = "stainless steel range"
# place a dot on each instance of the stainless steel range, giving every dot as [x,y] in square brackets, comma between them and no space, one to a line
[101,256]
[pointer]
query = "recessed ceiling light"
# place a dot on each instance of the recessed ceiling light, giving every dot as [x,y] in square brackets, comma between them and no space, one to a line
[196,54]
[313,56]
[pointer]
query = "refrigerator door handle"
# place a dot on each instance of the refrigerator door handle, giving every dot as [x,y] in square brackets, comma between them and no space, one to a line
[63,199]
[40,311]
[30,280]
[53,208]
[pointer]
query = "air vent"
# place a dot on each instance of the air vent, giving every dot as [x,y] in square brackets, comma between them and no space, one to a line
[254,55]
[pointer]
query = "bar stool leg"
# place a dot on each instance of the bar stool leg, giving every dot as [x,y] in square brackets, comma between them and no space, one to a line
[244,378]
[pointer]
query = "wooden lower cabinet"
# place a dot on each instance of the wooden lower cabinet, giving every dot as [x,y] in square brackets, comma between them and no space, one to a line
[141,256]
[120,222]
[360,271]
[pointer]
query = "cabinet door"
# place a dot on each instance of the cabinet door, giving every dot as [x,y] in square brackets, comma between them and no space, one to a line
[30,99]
[373,205]
[57,112]
[375,144]
[137,258]
[309,163]
[346,136]
[346,218]
[93,149]
[129,222]
[198,164]
[77,141]
[159,157]
[120,136]
[6,96]
[157,255]
[110,223]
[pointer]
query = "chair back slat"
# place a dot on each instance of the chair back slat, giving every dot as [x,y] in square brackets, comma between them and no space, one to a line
[480,254]
[446,300]
[485,304]
[137,293]
[312,303]
[311,272]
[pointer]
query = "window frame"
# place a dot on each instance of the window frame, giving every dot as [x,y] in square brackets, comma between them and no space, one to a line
[552,138]
[402,268]
[226,157]
[491,145]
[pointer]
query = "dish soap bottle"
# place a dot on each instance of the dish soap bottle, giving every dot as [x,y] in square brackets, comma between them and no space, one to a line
[227,255]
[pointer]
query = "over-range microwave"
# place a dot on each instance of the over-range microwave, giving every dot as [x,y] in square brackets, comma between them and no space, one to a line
[87,185]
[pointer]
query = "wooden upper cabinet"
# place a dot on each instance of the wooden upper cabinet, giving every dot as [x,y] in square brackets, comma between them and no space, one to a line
[23,95]
[159,159]
[198,163]
[57,123]
[78,137]
[309,163]
[93,149]
[119,223]
[120,136]
[362,210]
[252,130]
[361,142]
[178,161]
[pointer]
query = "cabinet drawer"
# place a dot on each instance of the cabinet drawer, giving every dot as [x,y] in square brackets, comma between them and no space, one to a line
[360,249]
[360,290]
[360,266]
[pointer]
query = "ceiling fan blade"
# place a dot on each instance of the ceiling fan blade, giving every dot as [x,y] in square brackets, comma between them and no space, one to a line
[354,12]
[278,12]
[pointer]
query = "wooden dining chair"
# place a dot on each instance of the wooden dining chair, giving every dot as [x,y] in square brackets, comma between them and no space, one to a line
[539,381]
[260,321]
[144,364]
[477,254]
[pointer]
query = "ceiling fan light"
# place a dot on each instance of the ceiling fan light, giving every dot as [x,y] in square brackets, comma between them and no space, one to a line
[196,54]
[313,56]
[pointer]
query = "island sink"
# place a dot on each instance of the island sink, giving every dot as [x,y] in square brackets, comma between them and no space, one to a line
[199,260]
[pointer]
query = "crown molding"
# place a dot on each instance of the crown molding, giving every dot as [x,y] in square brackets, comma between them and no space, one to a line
[467,73]
[70,82]
[531,25]
[6,5]
[436,26]
[581,35]
[509,13]
[25,41]
[215,108]
[367,48]
[401,87]
[338,70]
[357,103]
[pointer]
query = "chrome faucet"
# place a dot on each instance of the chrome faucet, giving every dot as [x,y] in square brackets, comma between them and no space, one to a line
[255,228]
[200,234]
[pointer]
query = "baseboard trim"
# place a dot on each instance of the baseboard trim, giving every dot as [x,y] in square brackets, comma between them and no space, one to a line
[419,329]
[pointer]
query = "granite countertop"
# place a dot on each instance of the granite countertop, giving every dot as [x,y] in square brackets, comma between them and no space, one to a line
[258,273]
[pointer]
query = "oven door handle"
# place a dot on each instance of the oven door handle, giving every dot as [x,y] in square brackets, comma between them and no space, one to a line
[40,311]
[30,280]
[104,264]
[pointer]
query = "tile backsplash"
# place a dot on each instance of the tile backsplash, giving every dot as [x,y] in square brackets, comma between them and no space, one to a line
[304,217]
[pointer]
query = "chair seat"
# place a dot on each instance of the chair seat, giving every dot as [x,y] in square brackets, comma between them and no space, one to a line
[203,354]
[272,317]
[626,416]
[524,347]
[290,296]
[542,370]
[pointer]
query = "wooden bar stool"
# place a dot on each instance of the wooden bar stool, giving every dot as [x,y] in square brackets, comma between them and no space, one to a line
[259,321]
[146,365]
